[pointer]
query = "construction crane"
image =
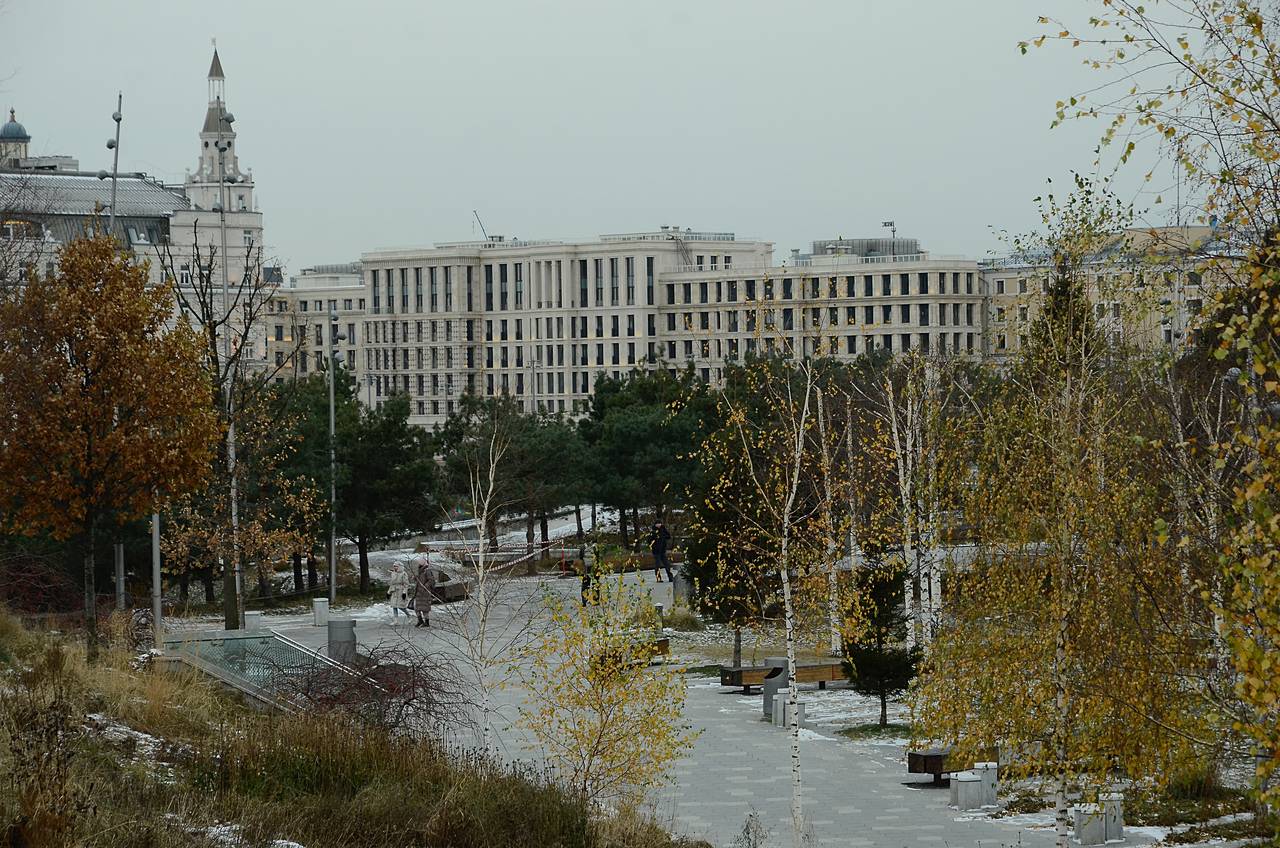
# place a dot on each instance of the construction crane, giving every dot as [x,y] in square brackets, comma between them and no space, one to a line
[481,223]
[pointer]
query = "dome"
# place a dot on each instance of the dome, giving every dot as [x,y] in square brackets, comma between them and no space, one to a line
[13,131]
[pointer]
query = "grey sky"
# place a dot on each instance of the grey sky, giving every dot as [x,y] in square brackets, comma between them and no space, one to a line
[382,124]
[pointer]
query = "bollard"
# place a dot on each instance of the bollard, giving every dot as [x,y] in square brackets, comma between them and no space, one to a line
[779,710]
[253,621]
[1090,828]
[966,790]
[658,609]
[1113,816]
[342,640]
[320,611]
[988,773]
[773,683]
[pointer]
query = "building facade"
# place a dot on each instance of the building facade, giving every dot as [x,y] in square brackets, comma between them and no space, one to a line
[537,320]
[176,229]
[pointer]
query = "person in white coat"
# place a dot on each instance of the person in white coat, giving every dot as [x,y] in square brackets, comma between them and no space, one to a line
[398,592]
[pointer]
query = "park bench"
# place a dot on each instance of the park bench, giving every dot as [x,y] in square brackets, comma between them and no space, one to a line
[747,676]
[929,761]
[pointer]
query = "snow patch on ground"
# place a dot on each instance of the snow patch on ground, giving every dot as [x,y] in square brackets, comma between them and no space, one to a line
[231,836]
[1152,831]
[812,735]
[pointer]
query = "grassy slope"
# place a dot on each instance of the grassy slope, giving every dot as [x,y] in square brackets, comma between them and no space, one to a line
[81,771]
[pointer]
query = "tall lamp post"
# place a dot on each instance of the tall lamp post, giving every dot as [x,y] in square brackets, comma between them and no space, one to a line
[234,617]
[334,359]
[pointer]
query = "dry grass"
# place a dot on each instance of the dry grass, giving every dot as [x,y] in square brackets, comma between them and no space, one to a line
[320,782]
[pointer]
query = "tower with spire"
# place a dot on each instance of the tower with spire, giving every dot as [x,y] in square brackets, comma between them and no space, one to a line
[202,185]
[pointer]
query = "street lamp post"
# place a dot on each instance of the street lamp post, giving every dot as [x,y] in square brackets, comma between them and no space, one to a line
[113,144]
[234,619]
[333,359]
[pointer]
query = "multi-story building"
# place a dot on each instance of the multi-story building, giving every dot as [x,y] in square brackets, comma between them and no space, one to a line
[537,320]
[300,310]
[839,305]
[177,229]
[542,320]
[1147,290]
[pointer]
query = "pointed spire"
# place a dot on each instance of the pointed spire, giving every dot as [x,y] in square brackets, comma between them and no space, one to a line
[215,69]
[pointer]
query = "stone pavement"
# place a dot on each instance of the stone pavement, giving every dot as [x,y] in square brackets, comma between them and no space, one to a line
[856,793]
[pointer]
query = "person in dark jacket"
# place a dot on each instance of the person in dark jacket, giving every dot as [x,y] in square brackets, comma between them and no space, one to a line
[658,539]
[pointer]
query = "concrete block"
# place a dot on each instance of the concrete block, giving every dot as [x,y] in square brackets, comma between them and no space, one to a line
[254,621]
[342,640]
[1090,825]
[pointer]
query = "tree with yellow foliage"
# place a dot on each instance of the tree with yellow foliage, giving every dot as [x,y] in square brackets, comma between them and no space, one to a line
[610,722]
[1250,605]
[104,410]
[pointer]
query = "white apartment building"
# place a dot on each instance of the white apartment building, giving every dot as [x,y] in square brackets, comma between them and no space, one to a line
[542,320]
[536,320]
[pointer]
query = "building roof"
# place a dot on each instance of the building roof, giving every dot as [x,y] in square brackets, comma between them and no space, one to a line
[14,131]
[82,193]
[215,68]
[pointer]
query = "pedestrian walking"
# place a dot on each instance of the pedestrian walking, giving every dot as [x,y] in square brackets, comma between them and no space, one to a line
[398,591]
[424,592]
[658,539]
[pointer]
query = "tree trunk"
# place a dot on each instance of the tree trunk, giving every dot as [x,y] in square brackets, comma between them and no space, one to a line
[1060,811]
[594,526]
[542,521]
[313,579]
[184,587]
[206,579]
[635,521]
[230,609]
[737,647]
[297,571]
[491,524]
[528,531]
[90,598]
[622,526]
[884,708]
[577,516]
[362,545]
[264,585]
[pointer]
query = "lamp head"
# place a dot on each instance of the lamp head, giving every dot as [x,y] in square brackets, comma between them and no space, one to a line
[111,144]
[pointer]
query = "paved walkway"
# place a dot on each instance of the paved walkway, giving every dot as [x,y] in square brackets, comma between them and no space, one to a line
[855,793]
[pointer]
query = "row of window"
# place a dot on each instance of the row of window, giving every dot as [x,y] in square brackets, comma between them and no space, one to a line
[814,288]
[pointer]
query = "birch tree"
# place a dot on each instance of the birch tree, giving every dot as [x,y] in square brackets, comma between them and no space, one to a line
[769,479]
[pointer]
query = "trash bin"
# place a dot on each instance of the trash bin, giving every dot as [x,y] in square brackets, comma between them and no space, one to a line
[320,610]
[966,790]
[342,640]
[774,682]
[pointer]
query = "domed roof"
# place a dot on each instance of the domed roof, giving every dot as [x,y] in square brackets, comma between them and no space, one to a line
[14,131]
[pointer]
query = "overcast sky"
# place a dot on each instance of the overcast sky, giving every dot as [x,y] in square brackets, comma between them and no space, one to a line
[380,124]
